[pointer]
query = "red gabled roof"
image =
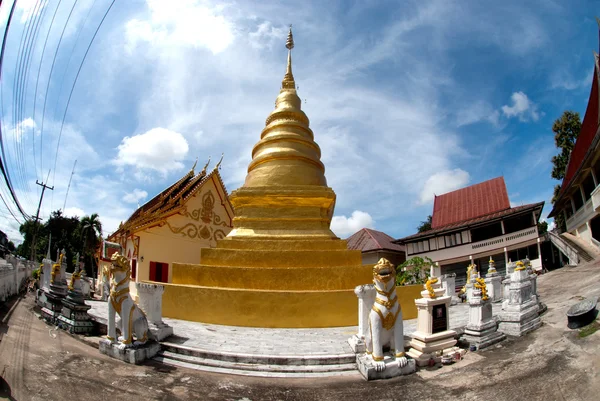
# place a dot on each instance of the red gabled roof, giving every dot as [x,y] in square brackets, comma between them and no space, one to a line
[536,207]
[372,240]
[589,127]
[471,202]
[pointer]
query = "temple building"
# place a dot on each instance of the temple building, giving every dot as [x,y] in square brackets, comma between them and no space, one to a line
[474,224]
[578,200]
[281,265]
[375,245]
[191,214]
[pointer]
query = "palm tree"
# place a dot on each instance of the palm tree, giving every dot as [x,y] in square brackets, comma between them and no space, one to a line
[91,230]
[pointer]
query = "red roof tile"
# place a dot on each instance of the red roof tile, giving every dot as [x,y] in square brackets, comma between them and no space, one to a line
[470,202]
[589,128]
[371,240]
[476,221]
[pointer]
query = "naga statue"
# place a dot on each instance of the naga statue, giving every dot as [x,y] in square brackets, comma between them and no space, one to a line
[133,319]
[56,268]
[429,287]
[480,285]
[385,319]
[520,266]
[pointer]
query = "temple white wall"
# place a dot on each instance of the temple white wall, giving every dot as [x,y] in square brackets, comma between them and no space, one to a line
[13,275]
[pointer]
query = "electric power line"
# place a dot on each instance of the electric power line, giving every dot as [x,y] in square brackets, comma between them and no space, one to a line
[5,172]
[48,85]
[75,82]
[38,79]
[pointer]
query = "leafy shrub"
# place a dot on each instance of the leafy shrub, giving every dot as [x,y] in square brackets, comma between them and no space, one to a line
[414,271]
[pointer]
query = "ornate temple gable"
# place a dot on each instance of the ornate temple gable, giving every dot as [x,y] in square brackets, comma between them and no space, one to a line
[173,200]
[206,216]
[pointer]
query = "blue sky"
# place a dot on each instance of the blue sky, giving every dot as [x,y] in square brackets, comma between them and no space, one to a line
[406,98]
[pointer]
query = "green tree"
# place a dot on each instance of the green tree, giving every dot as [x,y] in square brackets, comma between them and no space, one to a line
[542,227]
[91,231]
[24,249]
[65,232]
[11,246]
[414,271]
[566,130]
[425,225]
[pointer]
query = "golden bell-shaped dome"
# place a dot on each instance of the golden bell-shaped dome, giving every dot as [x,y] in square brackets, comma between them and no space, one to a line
[286,153]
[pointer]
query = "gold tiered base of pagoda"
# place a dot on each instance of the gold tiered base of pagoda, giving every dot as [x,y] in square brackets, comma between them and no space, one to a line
[269,283]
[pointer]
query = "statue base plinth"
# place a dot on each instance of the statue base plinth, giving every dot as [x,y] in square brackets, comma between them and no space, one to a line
[160,331]
[366,367]
[357,344]
[135,354]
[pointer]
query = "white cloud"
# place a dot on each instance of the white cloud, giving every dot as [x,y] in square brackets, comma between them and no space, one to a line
[22,128]
[73,212]
[522,107]
[135,196]
[265,35]
[158,149]
[182,23]
[344,226]
[443,182]
[563,79]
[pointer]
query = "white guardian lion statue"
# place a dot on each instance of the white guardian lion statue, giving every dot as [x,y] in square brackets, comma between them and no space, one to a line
[133,319]
[386,328]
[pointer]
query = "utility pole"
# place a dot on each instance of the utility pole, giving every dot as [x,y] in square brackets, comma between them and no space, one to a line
[37,215]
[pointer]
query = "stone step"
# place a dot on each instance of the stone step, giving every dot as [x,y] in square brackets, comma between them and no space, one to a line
[285,360]
[278,258]
[259,244]
[574,243]
[272,277]
[253,369]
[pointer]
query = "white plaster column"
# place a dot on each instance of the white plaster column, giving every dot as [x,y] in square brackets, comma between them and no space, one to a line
[502,225]
[366,299]
[150,301]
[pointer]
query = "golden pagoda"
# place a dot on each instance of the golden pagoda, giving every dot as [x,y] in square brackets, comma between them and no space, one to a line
[281,265]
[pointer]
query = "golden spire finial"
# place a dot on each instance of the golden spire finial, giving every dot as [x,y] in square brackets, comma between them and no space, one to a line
[219,163]
[205,166]
[288,79]
[194,166]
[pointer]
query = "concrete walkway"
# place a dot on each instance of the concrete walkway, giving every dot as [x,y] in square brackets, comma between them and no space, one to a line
[552,363]
[276,342]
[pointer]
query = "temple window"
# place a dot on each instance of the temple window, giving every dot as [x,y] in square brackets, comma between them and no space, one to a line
[159,272]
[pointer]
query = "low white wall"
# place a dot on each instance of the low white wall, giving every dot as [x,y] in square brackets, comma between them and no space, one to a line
[13,275]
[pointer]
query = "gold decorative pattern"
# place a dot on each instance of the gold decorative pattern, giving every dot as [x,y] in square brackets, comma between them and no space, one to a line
[208,204]
[520,266]
[56,268]
[428,286]
[389,319]
[480,284]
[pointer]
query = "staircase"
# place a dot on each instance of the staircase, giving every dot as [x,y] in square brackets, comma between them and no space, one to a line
[257,365]
[571,247]
[582,249]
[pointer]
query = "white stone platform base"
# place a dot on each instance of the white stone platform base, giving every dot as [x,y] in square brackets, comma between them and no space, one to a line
[161,331]
[425,347]
[365,366]
[357,344]
[135,355]
[483,339]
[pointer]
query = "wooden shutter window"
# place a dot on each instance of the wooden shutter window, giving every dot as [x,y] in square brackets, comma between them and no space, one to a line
[153,271]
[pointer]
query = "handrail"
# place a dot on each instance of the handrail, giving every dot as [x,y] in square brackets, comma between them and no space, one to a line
[595,242]
[565,247]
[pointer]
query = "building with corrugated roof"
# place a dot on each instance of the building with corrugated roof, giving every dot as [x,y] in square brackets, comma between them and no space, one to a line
[375,245]
[474,224]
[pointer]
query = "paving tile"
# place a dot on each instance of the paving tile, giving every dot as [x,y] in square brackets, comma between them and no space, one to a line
[252,340]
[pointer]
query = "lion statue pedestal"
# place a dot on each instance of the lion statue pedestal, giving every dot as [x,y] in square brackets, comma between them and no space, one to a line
[380,319]
[136,342]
